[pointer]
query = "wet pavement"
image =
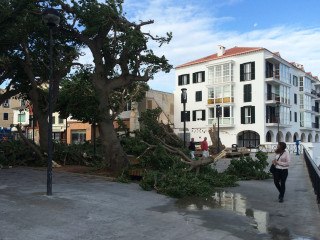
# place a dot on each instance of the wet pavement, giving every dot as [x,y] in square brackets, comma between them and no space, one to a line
[87,207]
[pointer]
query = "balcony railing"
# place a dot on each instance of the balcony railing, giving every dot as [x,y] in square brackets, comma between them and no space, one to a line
[315,109]
[315,125]
[313,92]
[273,74]
[271,119]
[273,96]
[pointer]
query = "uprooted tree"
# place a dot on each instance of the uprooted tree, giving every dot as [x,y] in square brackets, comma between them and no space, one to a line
[121,58]
[165,164]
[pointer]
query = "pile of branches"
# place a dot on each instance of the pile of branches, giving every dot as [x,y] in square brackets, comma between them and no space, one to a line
[167,166]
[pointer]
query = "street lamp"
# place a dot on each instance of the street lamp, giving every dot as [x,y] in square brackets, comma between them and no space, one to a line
[50,17]
[278,106]
[218,113]
[184,100]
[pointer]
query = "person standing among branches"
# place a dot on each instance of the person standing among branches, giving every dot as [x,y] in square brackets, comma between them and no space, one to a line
[281,161]
[204,148]
[192,148]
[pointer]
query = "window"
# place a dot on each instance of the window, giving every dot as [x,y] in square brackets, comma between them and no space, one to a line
[5,104]
[248,115]
[290,117]
[284,73]
[220,94]
[295,98]
[295,80]
[301,84]
[247,71]
[78,136]
[225,115]
[187,116]
[183,79]
[198,77]
[60,120]
[198,96]
[127,107]
[21,117]
[247,93]
[5,116]
[295,117]
[23,102]
[220,73]
[199,115]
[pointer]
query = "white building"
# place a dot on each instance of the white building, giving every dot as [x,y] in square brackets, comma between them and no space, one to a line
[251,85]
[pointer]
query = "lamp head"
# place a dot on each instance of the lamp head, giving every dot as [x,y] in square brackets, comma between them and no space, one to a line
[50,17]
[184,94]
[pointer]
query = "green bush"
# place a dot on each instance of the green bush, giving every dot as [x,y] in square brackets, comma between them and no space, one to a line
[247,168]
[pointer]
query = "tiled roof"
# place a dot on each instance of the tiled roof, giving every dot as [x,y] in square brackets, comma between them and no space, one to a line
[229,52]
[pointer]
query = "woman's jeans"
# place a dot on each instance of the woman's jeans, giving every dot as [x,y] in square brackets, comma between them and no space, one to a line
[280,177]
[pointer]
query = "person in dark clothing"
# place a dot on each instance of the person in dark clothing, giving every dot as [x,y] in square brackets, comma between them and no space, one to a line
[281,161]
[192,147]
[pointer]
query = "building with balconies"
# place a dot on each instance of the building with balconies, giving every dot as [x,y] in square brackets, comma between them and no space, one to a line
[259,98]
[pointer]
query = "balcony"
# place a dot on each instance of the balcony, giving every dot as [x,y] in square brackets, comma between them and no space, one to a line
[273,74]
[315,125]
[315,109]
[223,122]
[273,96]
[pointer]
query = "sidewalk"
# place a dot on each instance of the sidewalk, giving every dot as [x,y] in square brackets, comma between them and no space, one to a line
[87,207]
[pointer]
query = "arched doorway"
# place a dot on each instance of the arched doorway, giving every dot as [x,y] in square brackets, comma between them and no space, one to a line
[303,137]
[280,137]
[295,137]
[288,137]
[310,137]
[269,136]
[317,138]
[248,139]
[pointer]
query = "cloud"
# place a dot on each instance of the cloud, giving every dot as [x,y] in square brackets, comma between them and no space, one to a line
[197,31]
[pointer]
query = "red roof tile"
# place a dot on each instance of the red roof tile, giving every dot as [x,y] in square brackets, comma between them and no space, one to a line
[229,52]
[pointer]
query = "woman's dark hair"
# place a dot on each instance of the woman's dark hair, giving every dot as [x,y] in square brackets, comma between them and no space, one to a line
[281,147]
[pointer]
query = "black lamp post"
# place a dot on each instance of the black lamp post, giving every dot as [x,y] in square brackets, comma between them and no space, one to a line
[278,106]
[184,100]
[50,17]
[218,113]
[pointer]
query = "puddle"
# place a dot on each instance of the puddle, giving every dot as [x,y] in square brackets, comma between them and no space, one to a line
[227,201]
[237,203]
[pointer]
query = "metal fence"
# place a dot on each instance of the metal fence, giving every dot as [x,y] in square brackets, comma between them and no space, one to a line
[314,173]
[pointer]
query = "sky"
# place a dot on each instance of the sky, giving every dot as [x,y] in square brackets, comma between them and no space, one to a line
[199,26]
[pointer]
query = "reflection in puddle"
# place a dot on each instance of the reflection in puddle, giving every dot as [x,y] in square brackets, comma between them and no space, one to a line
[227,201]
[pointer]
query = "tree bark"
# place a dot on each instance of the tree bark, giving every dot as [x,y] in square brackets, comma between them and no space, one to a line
[114,156]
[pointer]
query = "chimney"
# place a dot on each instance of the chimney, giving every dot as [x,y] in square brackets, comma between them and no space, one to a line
[221,50]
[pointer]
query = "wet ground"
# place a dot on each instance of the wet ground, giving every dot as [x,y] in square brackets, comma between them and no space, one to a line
[87,207]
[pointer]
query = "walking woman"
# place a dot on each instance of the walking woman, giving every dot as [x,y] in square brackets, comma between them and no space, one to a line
[281,161]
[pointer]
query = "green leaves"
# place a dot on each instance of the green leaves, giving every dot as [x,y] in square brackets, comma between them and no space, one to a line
[247,168]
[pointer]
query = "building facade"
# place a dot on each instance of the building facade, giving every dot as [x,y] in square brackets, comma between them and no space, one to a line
[257,96]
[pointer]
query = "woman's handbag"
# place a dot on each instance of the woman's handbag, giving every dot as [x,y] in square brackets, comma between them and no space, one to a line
[273,167]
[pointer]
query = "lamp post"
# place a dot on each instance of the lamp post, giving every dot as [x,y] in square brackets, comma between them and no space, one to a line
[50,17]
[278,106]
[218,113]
[184,100]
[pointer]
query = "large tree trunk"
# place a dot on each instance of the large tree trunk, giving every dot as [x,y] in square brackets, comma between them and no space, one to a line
[114,155]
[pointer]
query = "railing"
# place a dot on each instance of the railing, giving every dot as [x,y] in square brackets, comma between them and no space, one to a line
[315,125]
[315,109]
[314,174]
[273,74]
[271,147]
[271,119]
[273,96]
